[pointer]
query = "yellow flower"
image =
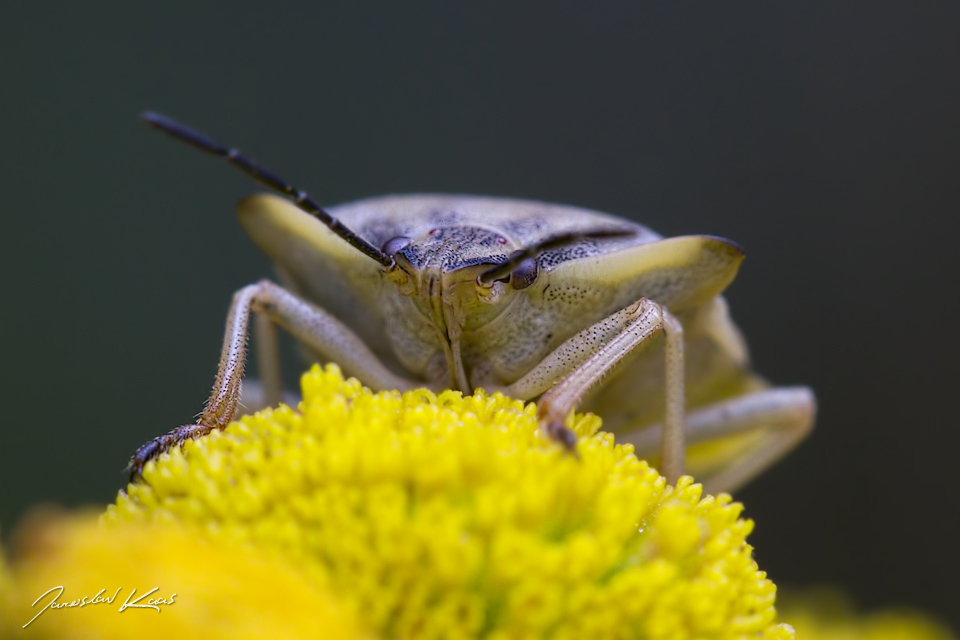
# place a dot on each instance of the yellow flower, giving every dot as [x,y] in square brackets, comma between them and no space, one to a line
[414,516]
[447,516]
[210,588]
[827,614]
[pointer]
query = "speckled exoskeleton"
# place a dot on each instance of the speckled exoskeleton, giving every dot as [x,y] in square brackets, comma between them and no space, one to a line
[572,307]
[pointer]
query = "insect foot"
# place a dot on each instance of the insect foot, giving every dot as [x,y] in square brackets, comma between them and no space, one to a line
[161,444]
[558,432]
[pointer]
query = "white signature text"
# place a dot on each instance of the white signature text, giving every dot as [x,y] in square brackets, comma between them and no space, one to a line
[131,602]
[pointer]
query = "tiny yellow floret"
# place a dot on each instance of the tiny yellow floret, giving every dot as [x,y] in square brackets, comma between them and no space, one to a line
[444,516]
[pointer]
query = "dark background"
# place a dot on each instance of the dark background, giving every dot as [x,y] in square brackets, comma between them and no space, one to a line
[824,136]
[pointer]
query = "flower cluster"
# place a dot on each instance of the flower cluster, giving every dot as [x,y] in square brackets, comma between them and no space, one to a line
[449,516]
[365,515]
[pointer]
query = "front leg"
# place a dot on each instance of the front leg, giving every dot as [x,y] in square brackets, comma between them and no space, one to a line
[581,363]
[308,323]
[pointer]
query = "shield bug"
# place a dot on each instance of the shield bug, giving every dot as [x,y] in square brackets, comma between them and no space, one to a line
[565,305]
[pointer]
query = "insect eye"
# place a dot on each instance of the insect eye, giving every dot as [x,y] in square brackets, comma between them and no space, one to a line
[525,274]
[393,245]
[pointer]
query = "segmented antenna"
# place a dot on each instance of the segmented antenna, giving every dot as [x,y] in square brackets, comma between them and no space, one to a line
[503,269]
[265,177]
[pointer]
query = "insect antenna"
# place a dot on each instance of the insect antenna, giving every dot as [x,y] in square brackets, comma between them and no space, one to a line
[503,269]
[265,177]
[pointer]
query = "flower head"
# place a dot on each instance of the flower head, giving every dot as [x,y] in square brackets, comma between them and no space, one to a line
[828,614]
[448,516]
[101,577]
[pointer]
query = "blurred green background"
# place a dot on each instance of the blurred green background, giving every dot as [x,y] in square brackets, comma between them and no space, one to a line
[823,136]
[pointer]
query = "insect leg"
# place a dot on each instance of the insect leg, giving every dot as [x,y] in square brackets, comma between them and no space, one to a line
[784,416]
[307,323]
[672,445]
[643,317]
[581,363]
[268,359]
[267,391]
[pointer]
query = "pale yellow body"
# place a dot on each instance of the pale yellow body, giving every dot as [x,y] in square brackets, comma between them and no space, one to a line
[564,305]
[429,323]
